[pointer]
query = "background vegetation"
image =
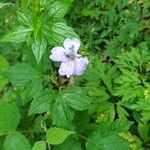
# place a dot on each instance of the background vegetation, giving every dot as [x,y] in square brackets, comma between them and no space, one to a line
[107,108]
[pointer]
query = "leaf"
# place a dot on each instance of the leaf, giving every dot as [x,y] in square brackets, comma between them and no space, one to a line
[21,74]
[106,136]
[3,65]
[57,135]
[18,35]
[144,130]
[57,32]
[38,48]
[58,8]
[42,102]
[41,145]
[76,98]
[62,115]
[16,141]
[9,117]
[70,143]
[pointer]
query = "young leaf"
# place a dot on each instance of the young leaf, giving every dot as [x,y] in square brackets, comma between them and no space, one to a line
[16,141]
[38,48]
[57,135]
[18,35]
[41,145]
[9,117]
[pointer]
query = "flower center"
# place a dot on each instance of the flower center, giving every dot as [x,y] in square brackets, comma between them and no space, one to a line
[71,55]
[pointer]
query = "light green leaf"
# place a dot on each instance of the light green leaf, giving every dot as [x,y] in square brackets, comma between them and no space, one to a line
[57,32]
[42,102]
[38,48]
[3,63]
[21,74]
[16,141]
[57,135]
[9,117]
[76,98]
[41,145]
[18,35]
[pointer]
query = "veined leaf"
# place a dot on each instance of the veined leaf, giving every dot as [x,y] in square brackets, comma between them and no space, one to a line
[42,102]
[18,35]
[41,145]
[38,48]
[20,74]
[57,32]
[9,117]
[57,135]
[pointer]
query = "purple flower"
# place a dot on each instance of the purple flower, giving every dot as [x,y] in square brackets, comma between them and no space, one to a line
[71,62]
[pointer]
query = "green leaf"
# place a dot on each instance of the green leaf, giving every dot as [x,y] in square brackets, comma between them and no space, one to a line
[38,48]
[21,74]
[57,135]
[31,90]
[69,144]
[144,130]
[62,115]
[3,65]
[3,82]
[42,102]
[16,141]
[107,137]
[9,117]
[57,32]
[76,98]
[41,145]
[58,8]
[18,35]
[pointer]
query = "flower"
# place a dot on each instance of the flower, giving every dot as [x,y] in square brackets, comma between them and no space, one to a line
[71,62]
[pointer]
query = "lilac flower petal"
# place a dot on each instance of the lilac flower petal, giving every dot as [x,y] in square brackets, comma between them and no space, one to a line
[80,65]
[58,54]
[67,68]
[72,44]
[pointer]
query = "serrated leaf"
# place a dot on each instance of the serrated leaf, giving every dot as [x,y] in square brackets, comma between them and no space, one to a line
[62,115]
[38,48]
[57,32]
[9,117]
[41,145]
[18,35]
[58,8]
[108,135]
[42,102]
[69,144]
[76,98]
[16,141]
[21,74]
[31,90]
[57,135]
